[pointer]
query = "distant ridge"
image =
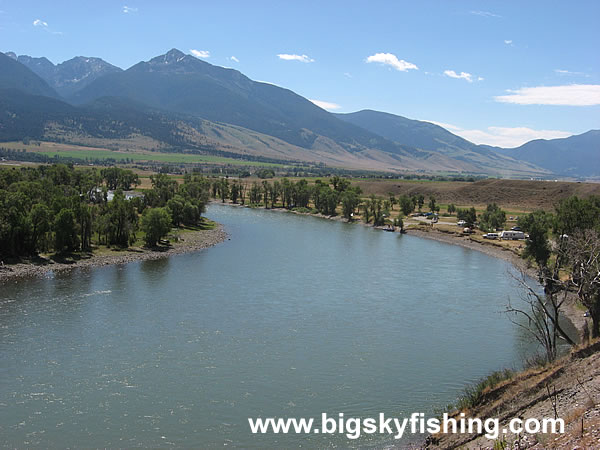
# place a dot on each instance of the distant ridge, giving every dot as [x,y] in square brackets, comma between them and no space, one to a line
[69,76]
[14,75]
[575,156]
[431,137]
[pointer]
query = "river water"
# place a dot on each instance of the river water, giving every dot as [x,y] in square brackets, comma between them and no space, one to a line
[292,317]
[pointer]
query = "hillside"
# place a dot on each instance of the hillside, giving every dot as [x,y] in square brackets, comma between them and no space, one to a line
[416,133]
[184,84]
[37,117]
[577,156]
[125,125]
[14,75]
[574,383]
[431,137]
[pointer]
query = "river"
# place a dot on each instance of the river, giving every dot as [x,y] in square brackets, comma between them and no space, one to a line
[292,317]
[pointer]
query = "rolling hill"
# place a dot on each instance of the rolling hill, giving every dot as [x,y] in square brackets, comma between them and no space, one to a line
[430,137]
[416,133]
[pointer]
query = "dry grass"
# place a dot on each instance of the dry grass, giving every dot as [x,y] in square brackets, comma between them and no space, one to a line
[513,195]
[574,386]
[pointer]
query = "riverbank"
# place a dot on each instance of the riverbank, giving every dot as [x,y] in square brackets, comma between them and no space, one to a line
[190,241]
[490,249]
[567,389]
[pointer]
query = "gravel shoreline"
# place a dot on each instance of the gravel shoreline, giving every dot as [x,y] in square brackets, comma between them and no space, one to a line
[189,242]
[465,241]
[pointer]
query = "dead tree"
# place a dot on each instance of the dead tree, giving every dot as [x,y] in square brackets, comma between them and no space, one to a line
[583,253]
[542,312]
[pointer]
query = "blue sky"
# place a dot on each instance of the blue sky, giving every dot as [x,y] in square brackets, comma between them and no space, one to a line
[495,72]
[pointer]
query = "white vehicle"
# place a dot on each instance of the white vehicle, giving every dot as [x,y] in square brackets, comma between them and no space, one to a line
[461,223]
[491,236]
[512,235]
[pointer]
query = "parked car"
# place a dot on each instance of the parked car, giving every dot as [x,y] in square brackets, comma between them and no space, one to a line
[461,223]
[516,229]
[491,236]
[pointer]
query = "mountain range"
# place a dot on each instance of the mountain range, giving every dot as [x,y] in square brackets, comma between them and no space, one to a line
[70,76]
[180,103]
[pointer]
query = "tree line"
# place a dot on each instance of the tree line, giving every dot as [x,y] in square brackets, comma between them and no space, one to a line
[62,209]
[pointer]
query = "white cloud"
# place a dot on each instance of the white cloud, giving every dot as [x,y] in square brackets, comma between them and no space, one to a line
[347,74]
[444,125]
[569,72]
[267,82]
[44,26]
[480,78]
[510,137]
[484,14]
[392,60]
[325,105]
[234,59]
[293,57]
[462,75]
[568,95]
[200,53]
[508,41]
[507,137]
[129,9]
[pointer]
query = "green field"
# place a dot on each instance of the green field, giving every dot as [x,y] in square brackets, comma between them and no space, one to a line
[175,158]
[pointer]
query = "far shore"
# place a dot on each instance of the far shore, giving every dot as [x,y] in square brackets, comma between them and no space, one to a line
[190,241]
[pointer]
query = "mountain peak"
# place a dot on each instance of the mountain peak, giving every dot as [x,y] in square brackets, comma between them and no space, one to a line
[68,76]
[13,55]
[172,56]
[174,61]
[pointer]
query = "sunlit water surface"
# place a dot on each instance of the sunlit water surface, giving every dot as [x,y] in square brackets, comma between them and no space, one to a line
[292,317]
